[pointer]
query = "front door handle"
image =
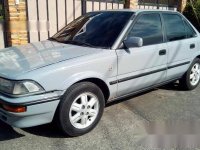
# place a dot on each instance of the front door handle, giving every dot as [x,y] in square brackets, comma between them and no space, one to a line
[192,46]
[162,52]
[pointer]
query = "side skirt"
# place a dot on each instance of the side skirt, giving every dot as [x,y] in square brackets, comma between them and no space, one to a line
[141,90]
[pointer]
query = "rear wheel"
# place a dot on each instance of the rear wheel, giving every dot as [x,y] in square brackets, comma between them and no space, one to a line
[191,78]
[80,109]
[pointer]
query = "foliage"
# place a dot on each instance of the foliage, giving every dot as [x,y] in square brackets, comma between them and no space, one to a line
[1,12]
[192,12]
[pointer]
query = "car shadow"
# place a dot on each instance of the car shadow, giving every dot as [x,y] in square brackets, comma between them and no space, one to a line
[120,100]
[52,131]
[172,87]
[47,130]
[7,132]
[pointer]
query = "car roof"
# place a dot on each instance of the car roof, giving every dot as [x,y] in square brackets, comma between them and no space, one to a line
[142,10]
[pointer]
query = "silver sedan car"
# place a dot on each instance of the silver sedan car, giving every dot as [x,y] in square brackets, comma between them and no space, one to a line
[98,58]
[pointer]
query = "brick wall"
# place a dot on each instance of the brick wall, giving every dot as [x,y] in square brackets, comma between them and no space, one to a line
[16,22]
[131,4]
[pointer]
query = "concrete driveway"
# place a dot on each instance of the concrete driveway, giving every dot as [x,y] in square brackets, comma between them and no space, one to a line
[164,118]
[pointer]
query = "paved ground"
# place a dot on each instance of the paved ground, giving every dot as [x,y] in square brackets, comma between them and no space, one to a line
[163,118]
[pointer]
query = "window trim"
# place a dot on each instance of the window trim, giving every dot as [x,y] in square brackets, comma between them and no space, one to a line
[135,21]
[118,42]
[186,23]
[183,20]
[160,22]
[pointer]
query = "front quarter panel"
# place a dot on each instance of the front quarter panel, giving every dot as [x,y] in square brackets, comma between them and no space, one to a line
[60,76]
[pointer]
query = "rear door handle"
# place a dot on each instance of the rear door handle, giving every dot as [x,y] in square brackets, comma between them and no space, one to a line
[162,52]
[192,46]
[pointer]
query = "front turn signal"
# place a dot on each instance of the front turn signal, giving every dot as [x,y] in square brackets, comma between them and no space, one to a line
[14,109]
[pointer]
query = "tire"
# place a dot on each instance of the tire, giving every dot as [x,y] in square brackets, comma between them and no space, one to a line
[76,111]
[187,82]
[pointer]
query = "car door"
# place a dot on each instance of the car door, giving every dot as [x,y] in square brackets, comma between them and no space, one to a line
[142,67]
[181,42]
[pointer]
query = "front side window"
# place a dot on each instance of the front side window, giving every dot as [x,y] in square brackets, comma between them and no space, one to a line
[149,28]
[95,29]
[174,26]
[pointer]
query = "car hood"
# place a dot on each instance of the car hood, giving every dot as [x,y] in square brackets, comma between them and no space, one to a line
[17,60]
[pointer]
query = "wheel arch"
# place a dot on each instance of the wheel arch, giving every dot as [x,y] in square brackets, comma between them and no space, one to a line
[101,84]
[95,79]
[198,56]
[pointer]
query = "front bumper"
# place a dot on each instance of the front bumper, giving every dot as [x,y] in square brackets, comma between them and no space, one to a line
[40,109]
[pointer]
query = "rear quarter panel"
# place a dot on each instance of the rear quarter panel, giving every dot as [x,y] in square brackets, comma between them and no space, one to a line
[196,51]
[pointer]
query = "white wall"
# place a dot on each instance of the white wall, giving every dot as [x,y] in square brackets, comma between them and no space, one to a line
[1,36]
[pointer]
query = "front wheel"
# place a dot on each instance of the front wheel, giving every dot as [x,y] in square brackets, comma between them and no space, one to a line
[80,109]
[191,78]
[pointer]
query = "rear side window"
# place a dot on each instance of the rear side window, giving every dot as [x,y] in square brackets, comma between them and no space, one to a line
[148,27]
[189,30]
[175,28]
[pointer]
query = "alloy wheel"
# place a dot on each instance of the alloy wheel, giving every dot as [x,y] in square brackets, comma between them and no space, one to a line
[195,74]
[84,110]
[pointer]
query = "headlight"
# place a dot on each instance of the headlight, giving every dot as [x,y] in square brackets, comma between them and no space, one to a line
[26,87]
[19,87]
[6,85]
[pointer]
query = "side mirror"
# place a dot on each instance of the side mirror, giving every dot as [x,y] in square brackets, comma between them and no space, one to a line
[133,42]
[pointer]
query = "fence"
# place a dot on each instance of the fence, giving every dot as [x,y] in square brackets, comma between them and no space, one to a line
[46,17]
[158,4]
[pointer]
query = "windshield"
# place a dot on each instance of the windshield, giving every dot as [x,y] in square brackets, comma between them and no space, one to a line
[95,29]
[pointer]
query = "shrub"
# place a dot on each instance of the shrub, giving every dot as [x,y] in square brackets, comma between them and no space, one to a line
[192,12]
[1,12]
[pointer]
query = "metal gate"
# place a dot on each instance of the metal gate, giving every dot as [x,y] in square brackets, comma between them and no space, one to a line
[46,17]
[2,25]
[158,4]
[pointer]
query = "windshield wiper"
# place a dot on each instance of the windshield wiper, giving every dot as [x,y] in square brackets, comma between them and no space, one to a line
[53,39]
[78,43]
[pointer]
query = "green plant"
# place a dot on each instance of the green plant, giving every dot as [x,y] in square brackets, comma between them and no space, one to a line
[192,12]
[198,8]
[1,12]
